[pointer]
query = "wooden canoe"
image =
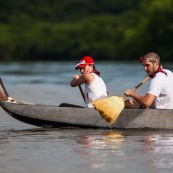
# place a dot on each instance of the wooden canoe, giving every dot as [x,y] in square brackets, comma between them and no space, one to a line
[67,115]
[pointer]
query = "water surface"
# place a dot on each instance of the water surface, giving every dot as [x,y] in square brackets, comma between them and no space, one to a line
[28,149]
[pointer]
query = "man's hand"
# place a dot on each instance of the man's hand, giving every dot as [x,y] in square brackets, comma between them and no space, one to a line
[76,77]
[128,92]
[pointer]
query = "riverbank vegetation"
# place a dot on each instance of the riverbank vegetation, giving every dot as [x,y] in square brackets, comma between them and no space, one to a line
[67,30]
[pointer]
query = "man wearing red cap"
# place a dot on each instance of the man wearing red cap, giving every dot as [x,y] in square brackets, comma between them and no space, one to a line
[95,87]
[159,95]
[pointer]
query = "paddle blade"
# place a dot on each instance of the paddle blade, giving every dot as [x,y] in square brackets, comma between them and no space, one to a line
[109,108]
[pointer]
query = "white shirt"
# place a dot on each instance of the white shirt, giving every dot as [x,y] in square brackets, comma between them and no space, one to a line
[162,87]
[95,90]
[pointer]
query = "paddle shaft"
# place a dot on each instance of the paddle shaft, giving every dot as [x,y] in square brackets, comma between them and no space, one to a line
[82,93]
[137,86]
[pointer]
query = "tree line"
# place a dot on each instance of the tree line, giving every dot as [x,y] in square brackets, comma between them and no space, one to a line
[67,30]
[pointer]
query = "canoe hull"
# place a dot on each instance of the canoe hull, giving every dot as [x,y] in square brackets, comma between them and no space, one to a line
[54,116]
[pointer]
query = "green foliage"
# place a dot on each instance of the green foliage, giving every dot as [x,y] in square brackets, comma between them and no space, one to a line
[157,27]
[111,30]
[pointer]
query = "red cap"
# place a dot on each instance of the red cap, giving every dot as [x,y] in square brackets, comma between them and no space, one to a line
[84,62]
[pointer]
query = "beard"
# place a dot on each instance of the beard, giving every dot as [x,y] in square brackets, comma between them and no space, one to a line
[151,71]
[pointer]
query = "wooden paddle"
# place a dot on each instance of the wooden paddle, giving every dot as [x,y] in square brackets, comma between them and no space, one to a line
[82,93]
[110,108]
[137,86]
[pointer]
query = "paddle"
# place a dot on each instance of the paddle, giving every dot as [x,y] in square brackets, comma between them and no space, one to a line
[110,108]
[82,93]
[137,86]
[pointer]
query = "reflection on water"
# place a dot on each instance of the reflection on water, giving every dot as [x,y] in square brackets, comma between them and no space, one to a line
[107,141]
[86,149]
[161,146]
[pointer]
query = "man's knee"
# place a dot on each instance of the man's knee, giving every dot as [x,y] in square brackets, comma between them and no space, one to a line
[128,103]
[132,104]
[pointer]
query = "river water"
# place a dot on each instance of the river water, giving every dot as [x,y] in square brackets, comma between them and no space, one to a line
[29,149]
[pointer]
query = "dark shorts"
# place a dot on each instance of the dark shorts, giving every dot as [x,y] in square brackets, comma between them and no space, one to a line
[142,107]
